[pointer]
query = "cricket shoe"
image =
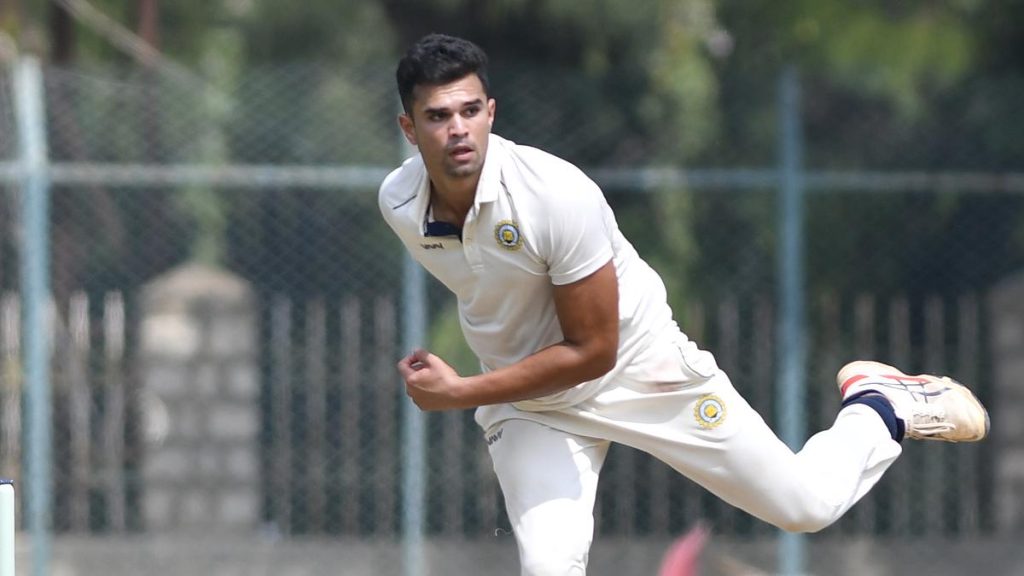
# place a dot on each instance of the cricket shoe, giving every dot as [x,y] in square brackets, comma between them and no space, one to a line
[931,407]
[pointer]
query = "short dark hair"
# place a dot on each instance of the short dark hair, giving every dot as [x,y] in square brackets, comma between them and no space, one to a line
[439,59]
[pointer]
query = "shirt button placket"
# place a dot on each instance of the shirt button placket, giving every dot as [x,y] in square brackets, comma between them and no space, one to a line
[469,244]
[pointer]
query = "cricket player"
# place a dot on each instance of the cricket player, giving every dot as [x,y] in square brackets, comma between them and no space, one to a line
[578,346]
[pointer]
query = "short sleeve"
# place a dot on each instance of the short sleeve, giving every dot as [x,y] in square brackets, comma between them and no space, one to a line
[579,235]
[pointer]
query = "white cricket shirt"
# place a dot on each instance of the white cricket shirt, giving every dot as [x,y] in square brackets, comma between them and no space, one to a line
[537,221]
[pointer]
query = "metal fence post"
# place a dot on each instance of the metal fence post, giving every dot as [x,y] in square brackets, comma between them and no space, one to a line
[792,339]
[35,290]
[414,469]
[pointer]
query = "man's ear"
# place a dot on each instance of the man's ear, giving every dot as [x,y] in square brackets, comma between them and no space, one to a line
[408,128]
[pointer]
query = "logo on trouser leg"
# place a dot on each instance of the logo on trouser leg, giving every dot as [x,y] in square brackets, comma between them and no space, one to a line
[710,411]
[495,437]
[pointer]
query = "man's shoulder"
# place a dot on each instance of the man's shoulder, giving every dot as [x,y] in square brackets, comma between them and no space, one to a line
[533,156]
[402,184]
[540,165]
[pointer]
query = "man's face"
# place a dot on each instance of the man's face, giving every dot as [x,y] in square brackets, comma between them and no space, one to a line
[450,124]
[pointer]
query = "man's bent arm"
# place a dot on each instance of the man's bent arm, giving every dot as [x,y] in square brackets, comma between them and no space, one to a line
[588,313]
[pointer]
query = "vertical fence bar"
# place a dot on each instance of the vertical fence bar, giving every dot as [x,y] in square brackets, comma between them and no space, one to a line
[658,499]
[902,510]
[761,367]
[281,410]
[968,346]
[828,355]
[115,397]
[10,387]
[728,354]
[487,503]
[79,410]
[385,409]
[351,431]
[453,479]
[35,289]
[791,378]
[863,517]
[414,469]
[624,505]
[316,414]
[697,328]
[932,485]
[761,342]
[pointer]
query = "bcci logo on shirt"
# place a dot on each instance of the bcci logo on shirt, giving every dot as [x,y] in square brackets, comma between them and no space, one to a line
[710,411]
[507,234]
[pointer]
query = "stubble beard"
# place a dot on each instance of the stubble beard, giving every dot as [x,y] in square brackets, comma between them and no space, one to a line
[462,170]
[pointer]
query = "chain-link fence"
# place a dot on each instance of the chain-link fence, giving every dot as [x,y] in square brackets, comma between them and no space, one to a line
[227,310]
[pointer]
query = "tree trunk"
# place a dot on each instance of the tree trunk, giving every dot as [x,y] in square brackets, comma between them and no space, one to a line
[62,35]
[149,22]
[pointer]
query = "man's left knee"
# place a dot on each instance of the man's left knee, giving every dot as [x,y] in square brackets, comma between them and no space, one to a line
[804,523]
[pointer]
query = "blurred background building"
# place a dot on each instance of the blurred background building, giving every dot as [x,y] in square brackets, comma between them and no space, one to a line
[222,306]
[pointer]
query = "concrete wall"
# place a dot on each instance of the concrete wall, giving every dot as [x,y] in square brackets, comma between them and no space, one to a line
[199,401]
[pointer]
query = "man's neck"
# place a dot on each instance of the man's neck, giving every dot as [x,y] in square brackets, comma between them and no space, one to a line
[452,201]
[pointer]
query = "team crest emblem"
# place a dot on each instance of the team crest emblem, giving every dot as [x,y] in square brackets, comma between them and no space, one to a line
[507,234]
[710,411]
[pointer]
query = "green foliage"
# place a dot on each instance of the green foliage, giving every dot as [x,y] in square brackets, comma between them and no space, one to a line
[912,85]
[326,31]
[898,58]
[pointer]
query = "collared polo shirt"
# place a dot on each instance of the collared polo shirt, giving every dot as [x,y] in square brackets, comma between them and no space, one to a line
[537,221]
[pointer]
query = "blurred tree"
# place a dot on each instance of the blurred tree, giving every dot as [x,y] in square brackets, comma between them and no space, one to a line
[317,31]
[617,82]
[91,34]
[885,87]
[314,92]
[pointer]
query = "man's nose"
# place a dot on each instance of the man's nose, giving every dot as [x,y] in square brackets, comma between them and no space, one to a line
[458,126]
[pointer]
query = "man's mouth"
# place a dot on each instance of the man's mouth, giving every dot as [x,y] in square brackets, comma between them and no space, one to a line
[461,152]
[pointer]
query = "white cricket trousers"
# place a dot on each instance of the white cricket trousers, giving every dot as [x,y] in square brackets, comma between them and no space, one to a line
[548,463]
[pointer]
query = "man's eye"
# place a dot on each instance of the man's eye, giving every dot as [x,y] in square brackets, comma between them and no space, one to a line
[470,112]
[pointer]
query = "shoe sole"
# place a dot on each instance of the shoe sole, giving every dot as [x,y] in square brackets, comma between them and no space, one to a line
[848,375]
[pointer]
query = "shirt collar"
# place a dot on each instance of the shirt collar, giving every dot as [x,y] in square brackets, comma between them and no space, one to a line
[487,188]
[490,177]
